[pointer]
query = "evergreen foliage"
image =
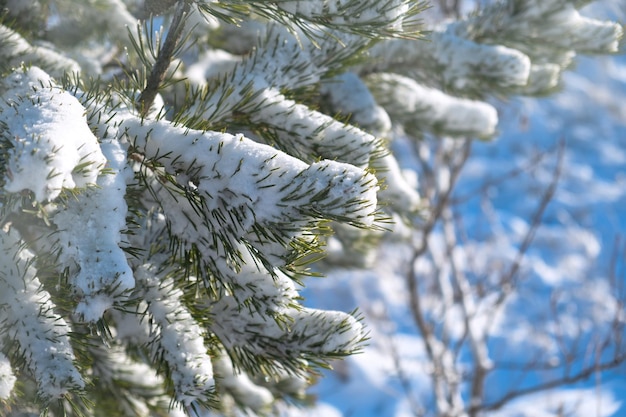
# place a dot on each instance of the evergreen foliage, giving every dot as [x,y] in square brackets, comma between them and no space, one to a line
[164,190]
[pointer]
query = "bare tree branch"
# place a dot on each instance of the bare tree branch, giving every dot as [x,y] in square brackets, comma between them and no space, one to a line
[508,279]
[481,362]
[444,378]
[405,382]
[565,380]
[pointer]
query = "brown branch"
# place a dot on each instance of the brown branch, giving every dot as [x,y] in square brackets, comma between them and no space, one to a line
[157,7]
[565,380]
[451,7]
[157,75]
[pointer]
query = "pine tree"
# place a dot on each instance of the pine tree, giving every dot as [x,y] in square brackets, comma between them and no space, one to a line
[171,171]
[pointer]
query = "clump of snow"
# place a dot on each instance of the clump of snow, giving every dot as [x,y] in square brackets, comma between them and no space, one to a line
[232,85]
[15,50]
[349,95]
[430,109]
[210,64]
[560,24]
[542,77]
[460,63]
[275,291]
[309,134]
[256,329]
[398,190]
[241,387]
[315,327]
[92,244]
[310,330]
[51,145]
[463,61]
[7,378]
[77,21]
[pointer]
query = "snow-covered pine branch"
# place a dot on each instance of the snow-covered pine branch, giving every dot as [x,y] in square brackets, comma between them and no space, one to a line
[39,336]
[175,337]
[510,47]
[14,49]
[253,88]
[370,19]
[248,184]
[421,108]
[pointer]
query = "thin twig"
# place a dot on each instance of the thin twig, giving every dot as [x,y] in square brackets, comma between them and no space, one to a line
[509,278]
[528,165]
[451,8]
[405,382]
[443,199]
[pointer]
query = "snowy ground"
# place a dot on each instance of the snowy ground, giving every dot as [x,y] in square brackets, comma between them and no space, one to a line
[568,269]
